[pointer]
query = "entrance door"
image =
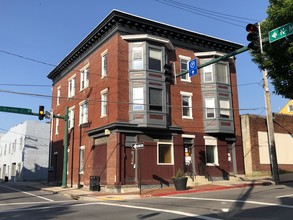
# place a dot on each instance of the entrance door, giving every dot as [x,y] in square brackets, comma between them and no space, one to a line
[232,158]
[188,156]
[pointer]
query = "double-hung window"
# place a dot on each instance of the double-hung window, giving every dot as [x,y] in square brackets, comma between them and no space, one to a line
[186,104]
[222,73]
[155,99]
[71,87]
[210,107]
[84,78]
[155,59]
[208,73]
[81,159]
[58,95]
[104,102]
[184,67]
[137,56]
[83,112]
[71,118]
[104,63]
[224,108]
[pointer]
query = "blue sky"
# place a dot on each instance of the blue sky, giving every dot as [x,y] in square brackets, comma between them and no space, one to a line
[37,34]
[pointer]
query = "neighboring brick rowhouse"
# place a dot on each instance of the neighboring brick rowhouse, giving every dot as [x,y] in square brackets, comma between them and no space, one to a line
[255,146]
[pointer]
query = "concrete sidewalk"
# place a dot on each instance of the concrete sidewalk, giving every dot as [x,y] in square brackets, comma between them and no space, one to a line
[86,195]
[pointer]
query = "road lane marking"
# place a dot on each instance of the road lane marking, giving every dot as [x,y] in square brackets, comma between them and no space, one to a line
[231,200]
[284,196]
[27,193]
[187,214]
[32,203]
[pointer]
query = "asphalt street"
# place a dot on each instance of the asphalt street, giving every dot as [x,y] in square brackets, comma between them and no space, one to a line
[255,202]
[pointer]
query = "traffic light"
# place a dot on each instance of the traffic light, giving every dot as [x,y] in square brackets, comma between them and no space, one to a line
[169,75]
[253,36]
[41,112]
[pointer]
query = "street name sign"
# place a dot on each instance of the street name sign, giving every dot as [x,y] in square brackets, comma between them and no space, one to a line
[24,111]
[192,68]
[280,32]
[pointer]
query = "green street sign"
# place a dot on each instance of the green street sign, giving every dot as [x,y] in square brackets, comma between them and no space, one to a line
[24,111]
[281,32]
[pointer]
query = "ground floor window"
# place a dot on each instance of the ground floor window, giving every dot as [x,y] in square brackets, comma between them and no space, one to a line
[165,153]
[211,155]
[81,159]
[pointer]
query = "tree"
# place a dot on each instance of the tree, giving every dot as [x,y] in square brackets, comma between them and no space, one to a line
[278,56]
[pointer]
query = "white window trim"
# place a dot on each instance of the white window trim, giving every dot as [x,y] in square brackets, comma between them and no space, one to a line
[181,57]
[206,108]
[81,148]
[80,104]
[70,79]
[58,95]
[105,91]
[190,104]
[172,153]
[69,111]
[103,72]
[57,125]
[86,67]
[212,141]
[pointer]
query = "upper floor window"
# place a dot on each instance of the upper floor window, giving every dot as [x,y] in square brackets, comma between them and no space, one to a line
[155,59]
[71,87]
[83,112]
[104,63]
[84,78]
[184,67]
[57,125]
[137,56]
[58,95]
[71,118]
[290,108]
[224,108]
[104,102]
[210,107]
[208,73]
[186,105]
[222,72]
[155,99]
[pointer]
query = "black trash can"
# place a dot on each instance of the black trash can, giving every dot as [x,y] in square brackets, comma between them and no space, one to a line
[95,183]
[6,179]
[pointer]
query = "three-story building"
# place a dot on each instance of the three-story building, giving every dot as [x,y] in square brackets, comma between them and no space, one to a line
[127,124]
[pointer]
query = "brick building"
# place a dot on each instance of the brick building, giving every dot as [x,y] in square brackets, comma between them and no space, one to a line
[114,85]
[256,148]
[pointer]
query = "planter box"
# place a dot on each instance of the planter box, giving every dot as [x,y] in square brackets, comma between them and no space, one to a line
[180,183]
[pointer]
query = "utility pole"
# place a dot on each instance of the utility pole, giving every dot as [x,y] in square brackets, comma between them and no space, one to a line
[270,122]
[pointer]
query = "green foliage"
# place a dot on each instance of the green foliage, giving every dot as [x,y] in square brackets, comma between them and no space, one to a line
[179,174]
[278,56]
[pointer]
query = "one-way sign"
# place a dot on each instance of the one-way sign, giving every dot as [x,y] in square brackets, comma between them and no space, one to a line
[192,68]
[138,146]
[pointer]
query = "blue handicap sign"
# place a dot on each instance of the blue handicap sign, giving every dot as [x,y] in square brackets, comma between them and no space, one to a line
[192,68]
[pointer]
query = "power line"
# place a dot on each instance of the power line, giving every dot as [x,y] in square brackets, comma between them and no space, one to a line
[226,18]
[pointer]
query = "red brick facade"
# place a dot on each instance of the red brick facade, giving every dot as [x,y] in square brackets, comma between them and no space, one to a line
[107,140]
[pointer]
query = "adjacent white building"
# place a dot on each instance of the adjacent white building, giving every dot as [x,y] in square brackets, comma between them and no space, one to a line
[24,151]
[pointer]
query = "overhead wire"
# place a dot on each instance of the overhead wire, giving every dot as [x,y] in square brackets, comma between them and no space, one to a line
[226,18]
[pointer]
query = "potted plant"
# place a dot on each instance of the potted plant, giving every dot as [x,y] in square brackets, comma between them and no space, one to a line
[180,180]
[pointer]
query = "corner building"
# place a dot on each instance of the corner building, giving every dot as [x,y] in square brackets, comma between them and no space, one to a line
[114,85]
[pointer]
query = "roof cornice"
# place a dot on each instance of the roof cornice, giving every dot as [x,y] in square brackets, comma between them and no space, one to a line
[130,24]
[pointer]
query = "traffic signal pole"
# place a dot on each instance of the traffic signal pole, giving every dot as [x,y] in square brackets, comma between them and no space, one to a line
[270,122]
[238,51]
[65,144]
[41,114]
